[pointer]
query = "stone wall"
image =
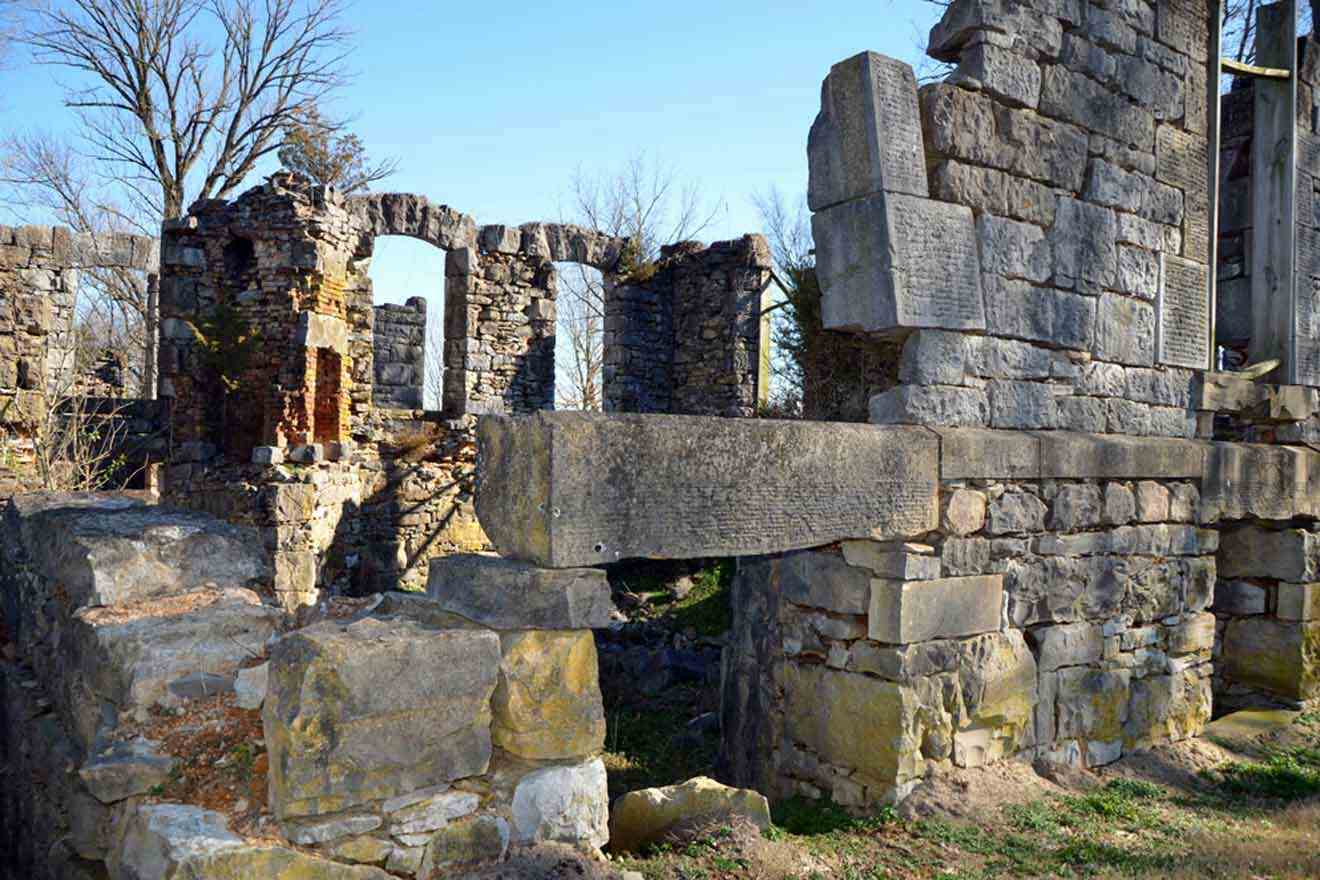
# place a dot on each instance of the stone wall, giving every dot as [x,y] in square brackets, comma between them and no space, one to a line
[684,335]
[406,774]
[399,355]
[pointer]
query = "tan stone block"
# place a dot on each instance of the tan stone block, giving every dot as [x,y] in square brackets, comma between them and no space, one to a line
[855,721]
[915,611]
[888,560]
[980,453]
[964,511]
[547,705]
[1197,633]
[642,817]
[1281,657]
[1298,601]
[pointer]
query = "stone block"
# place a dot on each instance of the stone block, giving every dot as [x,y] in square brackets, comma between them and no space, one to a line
[1240,598]
[1022,405]
[892,262]
[903,612]
[481,839]
[1153,502]
[1016,512]
[124,770]
[1072,644]
[1066,455]
[1092,703]
[1084,239]
[250,686]
[1125,331]
[643,817]
[1076,506]
[565,804]
[1280,657]
[1298,601]
[505,594]
[896,562]
[1282,554]
[942,405]
[966,20]
[1041,314]
[855,721]
[1196,633]
[867,137]
[1120,505]
[934,357]
[547,704]
[997,680]
[1014,249]
[126,659]
[355,712]
[1266,482]
[964,512]
[573,489]
[107,550]
[971,453]
[1003,73]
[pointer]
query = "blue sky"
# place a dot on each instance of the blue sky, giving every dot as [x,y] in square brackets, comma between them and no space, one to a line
[492,109]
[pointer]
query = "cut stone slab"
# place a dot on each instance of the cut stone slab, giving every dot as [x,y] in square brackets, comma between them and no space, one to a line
[642,817]
[152,653]
[867,137]
[903,612]
[892,262]
[1283,554]
[980,453]
[506,594]
[563,804]
[1065,455]
[820,579]
[574,489]
[547,705]
[1247,726]
[106,550]
[1266,482]
[1280,657]
[375,709]
[124,770]
[886,561]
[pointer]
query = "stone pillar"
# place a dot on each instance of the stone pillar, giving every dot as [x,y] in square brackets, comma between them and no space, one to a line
[399,355]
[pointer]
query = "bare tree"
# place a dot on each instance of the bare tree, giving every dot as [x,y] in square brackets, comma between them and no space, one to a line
[644,202]
[185,97]
[433,380]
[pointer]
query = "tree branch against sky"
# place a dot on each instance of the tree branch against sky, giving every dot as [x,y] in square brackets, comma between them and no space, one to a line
[183,98]
[324,152]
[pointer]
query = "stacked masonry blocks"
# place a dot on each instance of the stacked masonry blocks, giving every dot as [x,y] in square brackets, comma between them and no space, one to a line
[399,354]
[1047,203]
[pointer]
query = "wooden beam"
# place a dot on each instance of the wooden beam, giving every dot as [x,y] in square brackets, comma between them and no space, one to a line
[1239,68]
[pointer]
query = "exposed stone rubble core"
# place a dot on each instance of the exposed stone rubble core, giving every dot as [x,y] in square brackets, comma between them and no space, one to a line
[401,740]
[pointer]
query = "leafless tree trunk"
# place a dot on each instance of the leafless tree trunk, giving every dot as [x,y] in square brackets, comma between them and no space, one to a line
[644,202]
[433,381]
[176,94]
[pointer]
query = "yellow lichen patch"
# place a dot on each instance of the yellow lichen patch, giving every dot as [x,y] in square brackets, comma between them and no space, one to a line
[547,704]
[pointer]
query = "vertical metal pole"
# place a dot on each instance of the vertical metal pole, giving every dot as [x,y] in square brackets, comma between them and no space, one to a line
[1213,107]
[153,320]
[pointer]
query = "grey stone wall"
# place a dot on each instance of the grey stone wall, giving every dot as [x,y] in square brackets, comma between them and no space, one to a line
[686,338]
[399,354]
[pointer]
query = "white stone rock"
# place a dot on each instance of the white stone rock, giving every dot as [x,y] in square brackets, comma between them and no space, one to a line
[434,813]
[250,686]
[565,804]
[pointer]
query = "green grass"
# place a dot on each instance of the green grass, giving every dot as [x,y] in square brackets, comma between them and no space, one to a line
[804,817]
[1287,774]
[643,750]
[706,608]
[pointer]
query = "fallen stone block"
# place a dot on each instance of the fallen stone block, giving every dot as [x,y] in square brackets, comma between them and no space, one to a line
[505,594]
[179,842]
[566,804]
[107,550]
[575,489]
[642,817]
[124,770]
[162,652]
[902,612]
[547,705]
[375,709]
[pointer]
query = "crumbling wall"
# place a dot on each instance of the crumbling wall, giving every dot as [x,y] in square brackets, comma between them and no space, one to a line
[684,335]
[399,355]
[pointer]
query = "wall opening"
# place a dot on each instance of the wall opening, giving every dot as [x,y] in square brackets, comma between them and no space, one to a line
[579,338]
[326,409]
[409,348]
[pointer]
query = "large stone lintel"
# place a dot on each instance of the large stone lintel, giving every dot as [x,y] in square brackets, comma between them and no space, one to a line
[579,489]
[980,453]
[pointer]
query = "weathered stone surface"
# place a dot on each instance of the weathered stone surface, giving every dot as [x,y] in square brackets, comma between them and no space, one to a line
[1283,554]
[818,579]
[1016,512]
[642,817]
[904,562]
[160,839]
[108,550]
[1120,505]
[1267,482]
[1073,644]
[1196,633]
[1240,598]
[861,722]
[1092,705]
[572,489]
[943,405]
[432,812]
[1281,657]
[124,770]
[506,594]
[331,828]
[250,686]
[1298,601]
[565,804]
[867,137]
[1125,331]
[896,261]
[356,712]
[970,453]
[914,611]
[1077,506]
[964,512]
[547,705]
[1065,455]
[129,658]
[997,682]
[461,844]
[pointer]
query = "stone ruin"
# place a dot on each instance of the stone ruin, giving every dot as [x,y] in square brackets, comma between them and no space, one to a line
[1068,532]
